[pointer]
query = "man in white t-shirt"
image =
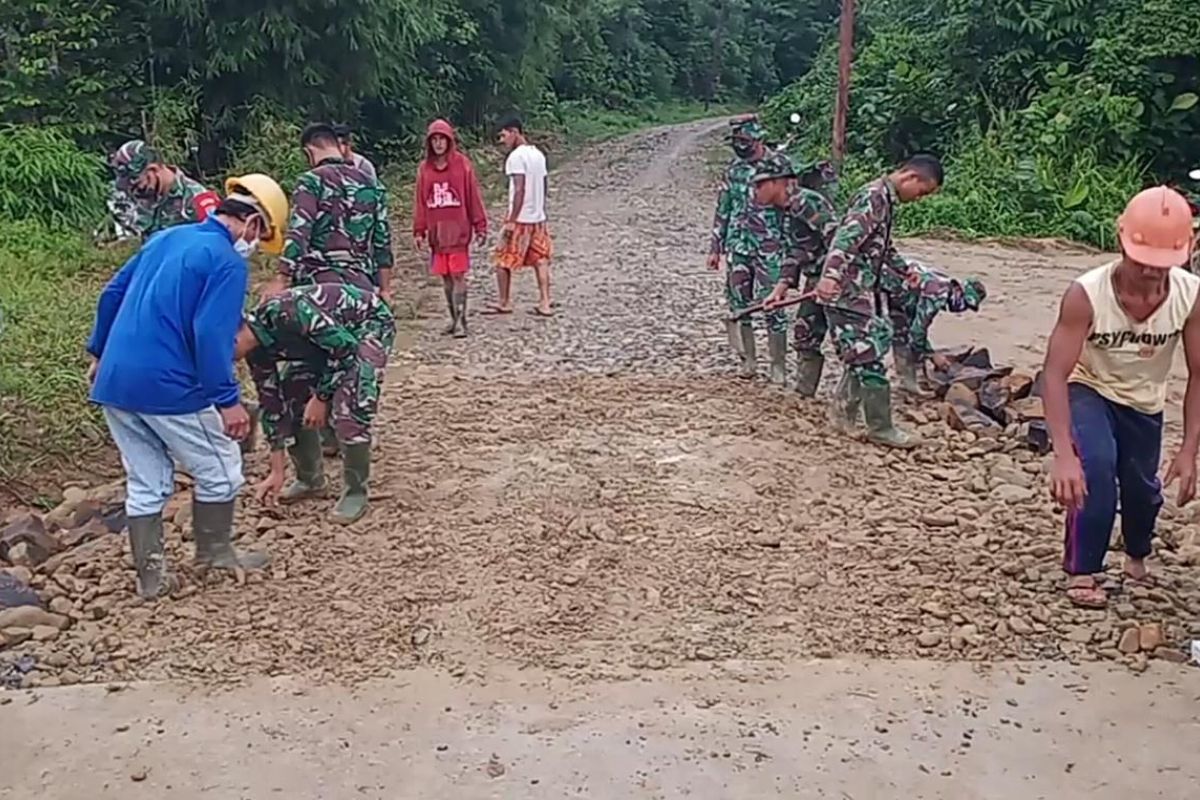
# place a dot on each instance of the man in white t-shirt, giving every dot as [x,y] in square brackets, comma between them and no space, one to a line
[525,239]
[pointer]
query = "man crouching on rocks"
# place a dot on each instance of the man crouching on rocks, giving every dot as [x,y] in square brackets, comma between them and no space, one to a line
[162,371]
[1106,386]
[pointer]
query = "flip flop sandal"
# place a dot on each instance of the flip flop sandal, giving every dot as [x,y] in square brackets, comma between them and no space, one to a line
[1147,581]
[537,312]
[495,311]
[1086,595]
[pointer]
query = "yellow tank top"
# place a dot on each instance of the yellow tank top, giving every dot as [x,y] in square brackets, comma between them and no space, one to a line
[1127,361]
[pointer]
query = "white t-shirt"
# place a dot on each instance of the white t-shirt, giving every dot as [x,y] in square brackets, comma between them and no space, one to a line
[527,160]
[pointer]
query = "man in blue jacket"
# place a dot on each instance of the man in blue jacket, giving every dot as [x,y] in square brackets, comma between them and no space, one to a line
[162,371]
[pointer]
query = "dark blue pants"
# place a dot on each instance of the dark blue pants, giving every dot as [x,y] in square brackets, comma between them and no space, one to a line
[1120,450]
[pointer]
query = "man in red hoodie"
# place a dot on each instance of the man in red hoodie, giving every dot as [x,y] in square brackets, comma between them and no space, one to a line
[447,209]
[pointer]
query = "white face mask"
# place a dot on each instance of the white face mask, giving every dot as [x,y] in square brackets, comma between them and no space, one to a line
[245,249]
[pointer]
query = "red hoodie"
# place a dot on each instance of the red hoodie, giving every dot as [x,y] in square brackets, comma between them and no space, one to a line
[448,206]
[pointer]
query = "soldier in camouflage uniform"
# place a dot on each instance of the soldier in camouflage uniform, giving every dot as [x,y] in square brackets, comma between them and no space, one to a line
[807,222]
[861,269]
[150,196]
[333,340]
[926,293]
[339,231]
[732,239]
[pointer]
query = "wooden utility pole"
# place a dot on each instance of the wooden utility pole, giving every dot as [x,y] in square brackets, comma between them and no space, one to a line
[845,58]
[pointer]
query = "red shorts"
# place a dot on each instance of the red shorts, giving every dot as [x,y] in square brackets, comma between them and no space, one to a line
[450,263]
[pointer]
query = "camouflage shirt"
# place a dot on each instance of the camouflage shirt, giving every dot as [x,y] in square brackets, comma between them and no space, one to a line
[861,258]
[321,325]
[731,232]
[339,231]
[808,224]
[186,201]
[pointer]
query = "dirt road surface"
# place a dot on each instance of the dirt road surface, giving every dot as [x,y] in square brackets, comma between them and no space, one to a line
[596,554]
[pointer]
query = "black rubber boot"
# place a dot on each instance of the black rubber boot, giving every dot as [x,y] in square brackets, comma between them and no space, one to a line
[777,347]
[310,468]
[146,543]
[877,407]
[450,329]
[749,353]
[329,443]
[460,303]
[212,528]
[356,470]
[808,374]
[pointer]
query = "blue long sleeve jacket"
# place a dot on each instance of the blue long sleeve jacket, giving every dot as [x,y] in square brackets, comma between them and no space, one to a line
[166,324]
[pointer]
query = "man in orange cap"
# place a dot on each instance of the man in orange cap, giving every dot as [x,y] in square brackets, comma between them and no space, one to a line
[1106,384]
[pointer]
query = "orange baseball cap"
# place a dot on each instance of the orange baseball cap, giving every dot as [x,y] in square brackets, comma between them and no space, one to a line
[1156,228]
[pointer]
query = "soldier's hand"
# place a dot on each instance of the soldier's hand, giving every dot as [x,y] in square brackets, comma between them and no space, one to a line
[940,362]
[714,261]
[316,411]
[236,421]
[267,490]
[827,289]
[777,295]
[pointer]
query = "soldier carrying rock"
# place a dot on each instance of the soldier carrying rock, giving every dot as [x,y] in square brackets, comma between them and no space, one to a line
[861,269]
[333,341]
[926,292]
[1106,386]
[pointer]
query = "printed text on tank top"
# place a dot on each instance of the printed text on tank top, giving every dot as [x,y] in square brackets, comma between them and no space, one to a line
[1138,307]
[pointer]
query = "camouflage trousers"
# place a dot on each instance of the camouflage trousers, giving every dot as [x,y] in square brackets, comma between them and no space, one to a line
[811,324]
[749,279]
[861,342]
[356,401]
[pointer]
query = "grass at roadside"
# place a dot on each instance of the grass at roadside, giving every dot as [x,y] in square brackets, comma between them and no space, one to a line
[49,281]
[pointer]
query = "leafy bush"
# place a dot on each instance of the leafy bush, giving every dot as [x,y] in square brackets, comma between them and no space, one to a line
[46,177]
[270,145]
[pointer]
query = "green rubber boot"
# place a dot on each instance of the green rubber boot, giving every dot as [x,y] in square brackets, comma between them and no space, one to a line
[329,443]
[906,369]
[212,528]
[733,330]
[356,466]
[877,407]
[808,374]
[844,407]
[777,348]
[450,329]
[749,354]
[310,468]
[146,543]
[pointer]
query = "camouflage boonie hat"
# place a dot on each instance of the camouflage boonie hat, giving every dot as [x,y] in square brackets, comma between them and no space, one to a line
[131,160]
[748,127]
[966,295]
[773,167]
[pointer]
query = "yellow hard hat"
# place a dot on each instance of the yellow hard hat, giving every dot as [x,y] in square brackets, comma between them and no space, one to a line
[269,199]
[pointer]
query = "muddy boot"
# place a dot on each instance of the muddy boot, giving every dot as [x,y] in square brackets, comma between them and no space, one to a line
[310,468]
[356,466]
[146,542]
[733,330]
[460,303]
[843,408]
[808,374]
[450,329]
[906,370]
[329,443]
[212,528]
[877,407]
[749,355]
[777,347]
